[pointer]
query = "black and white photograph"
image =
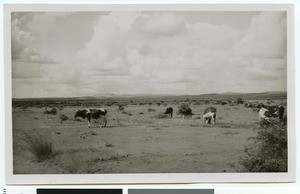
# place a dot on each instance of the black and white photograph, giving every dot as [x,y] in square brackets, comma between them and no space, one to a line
[149,91]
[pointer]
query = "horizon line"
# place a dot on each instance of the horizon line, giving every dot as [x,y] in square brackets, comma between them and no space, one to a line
[109,95]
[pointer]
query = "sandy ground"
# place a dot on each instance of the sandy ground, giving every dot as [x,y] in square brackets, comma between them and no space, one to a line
[137,143]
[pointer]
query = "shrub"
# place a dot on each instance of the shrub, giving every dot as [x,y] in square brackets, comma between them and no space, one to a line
[182,107]
[224,103]
[39,145]
[121,107]
[240,101]
[151,110]
[126,113]
[109,145]
[218,102]
[268,151]
[50,110]
[63,118]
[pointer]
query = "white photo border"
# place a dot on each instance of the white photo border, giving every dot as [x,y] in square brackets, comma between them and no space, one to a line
[139,178]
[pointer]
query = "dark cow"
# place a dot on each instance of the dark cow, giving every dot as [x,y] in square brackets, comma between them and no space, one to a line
[276,111]
[187,113]
[209,115]
[281,113]
[92,113]
[169,111]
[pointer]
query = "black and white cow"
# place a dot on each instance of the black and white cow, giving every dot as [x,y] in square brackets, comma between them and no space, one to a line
[210,115]
[92,113]
[272,111]
[169,111]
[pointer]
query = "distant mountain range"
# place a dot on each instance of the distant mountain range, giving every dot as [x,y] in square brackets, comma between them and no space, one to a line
[110,95]
[156,96]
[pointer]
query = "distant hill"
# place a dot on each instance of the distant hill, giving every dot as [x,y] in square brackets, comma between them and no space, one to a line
[154,97]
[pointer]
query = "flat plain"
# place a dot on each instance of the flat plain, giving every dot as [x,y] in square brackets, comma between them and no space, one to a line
[138,138]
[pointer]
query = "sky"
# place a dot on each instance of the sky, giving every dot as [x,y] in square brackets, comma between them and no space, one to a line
[72,54]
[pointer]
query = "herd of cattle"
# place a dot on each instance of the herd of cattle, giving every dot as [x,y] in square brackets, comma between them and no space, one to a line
[209,115]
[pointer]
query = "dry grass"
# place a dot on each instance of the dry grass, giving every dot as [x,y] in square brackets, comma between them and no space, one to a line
[39,145]
[76,162]
[161,116]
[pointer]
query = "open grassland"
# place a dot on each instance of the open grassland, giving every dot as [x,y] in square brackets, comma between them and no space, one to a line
[136,140]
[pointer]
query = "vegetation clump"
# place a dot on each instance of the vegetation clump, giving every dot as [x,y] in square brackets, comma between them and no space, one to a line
[151,110]
[268,150]
[39,145]
[240,101]
[50,110]
[182,107]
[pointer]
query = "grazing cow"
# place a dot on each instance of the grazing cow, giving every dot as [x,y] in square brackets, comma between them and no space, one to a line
[209,115]
[169,111]
[92,113]
[187,113]
[280,112]
[276,111]
[264,114]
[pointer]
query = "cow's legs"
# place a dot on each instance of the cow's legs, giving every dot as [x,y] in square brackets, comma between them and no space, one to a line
[89,120]
[105,121]
[215,118]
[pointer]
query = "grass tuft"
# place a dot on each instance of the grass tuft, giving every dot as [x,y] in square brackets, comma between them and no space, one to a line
[161,116]
[75,162]
[39,145]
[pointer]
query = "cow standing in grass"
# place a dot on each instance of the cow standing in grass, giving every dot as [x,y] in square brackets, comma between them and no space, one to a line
[210,115]
[169,111]
[92,113]
[264,114]
[271,111]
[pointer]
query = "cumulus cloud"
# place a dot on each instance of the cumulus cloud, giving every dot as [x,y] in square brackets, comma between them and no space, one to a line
[261,54]
[265,37]
[48,37]
[159,48]
[149,52]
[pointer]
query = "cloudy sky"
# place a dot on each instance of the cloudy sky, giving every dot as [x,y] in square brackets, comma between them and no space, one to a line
[71,54]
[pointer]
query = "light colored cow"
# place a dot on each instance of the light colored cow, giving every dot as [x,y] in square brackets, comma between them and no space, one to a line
[263,114]
[210,115]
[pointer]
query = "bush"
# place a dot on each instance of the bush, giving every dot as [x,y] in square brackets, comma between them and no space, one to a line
[268,151]
[50,110]
[151,110]
[240,101]
[63,118]
[224,103]
[182,107]
[40,146]
[121,107]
